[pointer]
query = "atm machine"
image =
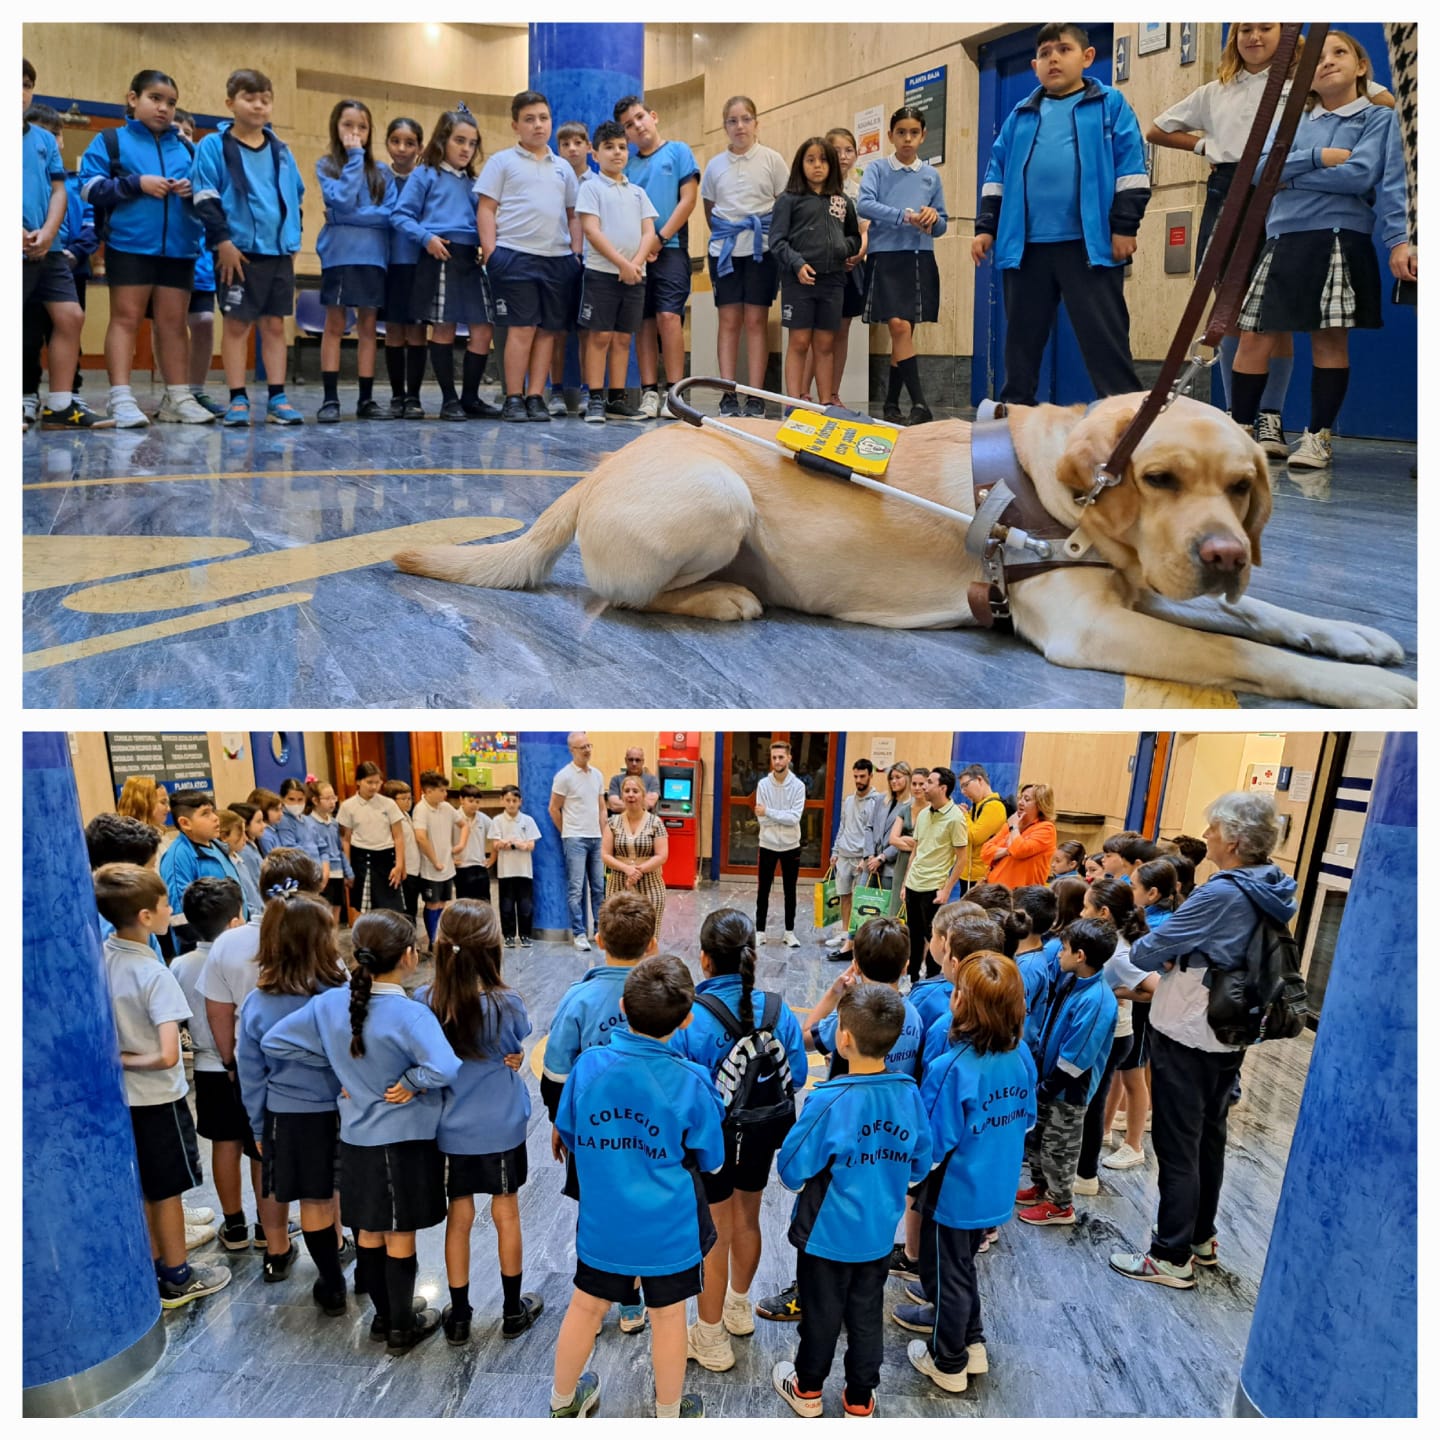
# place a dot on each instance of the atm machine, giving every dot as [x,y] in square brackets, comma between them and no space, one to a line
[681,778]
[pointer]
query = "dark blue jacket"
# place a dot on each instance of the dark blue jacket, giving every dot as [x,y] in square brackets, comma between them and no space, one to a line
[137,223]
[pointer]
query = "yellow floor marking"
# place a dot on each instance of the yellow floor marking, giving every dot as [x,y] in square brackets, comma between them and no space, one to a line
[52,560]
[204,584]
[160,630]
[285,475]
[1145,694]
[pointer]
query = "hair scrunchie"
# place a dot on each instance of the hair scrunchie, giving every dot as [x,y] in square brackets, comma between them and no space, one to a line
[364,956]
[283,889]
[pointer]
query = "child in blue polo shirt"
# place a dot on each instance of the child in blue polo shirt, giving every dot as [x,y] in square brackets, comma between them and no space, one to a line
[193,853]
[1033,957]
[980,1099]
[247,191]
[860,1143]
[642,1124]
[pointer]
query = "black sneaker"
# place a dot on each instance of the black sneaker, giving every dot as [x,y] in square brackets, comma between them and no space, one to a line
[414,410]
[397,407]
[621,410]
[236,1237]
[478,409]
[514,409]
[511,942]
[535,409]
[919,415]
[512,1326]
[754,408]
[278,1267]
[332,1302]
[526,942]
[292,1229]
[372,410]
[902,1265]
[457,1327]
[328,413]
[784,1306]
[730,404]
[453,410]
[595,410]
[422,1326]
[892,415]
[74,416]
[380,1324]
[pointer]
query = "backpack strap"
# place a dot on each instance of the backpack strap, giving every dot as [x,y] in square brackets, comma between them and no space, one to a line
[111,140]
[771,1012]
[722,1012]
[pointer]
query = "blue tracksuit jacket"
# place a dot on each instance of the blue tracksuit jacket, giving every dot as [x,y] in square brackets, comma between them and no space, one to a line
[904,1056]
[247,196]
[184,861]
[705,1041]
[139,224]
[1075,1036]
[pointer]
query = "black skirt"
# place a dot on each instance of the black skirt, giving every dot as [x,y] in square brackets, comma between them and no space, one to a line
[904,285]
[1289,289]
[499,1174]
[399,1187]
[399,291]
[855,283]
[301,1159]
[454,291]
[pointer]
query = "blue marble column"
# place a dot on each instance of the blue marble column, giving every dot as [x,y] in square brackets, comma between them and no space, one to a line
[1334,1330]
[90,1331]
[998,752]
[542,754]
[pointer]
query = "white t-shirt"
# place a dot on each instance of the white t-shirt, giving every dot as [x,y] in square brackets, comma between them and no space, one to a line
[412,850]
[512,863]
[369,821]
[232,969]
[441,826]
[1180,1010]
[739,186]
[474,853]
[623,207]
[581,791]
[187,971]
[1118,973]
[144,995]
[532,193]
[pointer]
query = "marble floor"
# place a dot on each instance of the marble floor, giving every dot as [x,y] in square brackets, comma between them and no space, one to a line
[1067,1337]
[200,567]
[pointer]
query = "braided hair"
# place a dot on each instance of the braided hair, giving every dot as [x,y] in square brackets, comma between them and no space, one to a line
[728,938]
[381,939]
[1119,899]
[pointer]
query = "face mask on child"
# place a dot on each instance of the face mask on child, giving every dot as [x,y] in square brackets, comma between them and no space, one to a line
[298,808]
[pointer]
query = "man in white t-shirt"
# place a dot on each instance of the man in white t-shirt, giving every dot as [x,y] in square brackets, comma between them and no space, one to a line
[577,810]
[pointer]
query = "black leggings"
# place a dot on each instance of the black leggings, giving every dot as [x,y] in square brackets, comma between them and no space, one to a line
[517,904]
[1093,1135]
[789,861]
[377,864]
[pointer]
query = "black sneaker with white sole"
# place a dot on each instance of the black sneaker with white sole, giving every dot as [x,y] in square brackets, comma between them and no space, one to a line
[784,1306]
[902,1265]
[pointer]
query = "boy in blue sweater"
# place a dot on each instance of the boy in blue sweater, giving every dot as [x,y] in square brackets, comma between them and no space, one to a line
[247,191]
[642,1123]
[861,1141]
[194,852]
[1061,205]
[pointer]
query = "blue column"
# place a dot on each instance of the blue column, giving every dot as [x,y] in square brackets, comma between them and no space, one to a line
[998,752]
[1334,1330]
[78,1159]
[542,755]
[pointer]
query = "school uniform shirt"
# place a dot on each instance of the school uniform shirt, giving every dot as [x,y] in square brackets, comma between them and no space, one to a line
[327,835]
[937,1042]
[887,190]
[474,852]
[821,231]
[299,832]
[247,867]
[706,1041]
[1052,198]
[144,995]
[77,230]
[436,200]
[269,839]
[1076,1035]
[510,864]
[860,1143]
[1039,980]
[137,223]
[441,825]
[784,804]
[186,971]
[403,1041]
[185,862]
[357,225]
[107,930]
[979,1108]
[930,999]
[742,188]
[1157,916]
[1118,972]
[532,193]
[412,850]
[580,792]
[369,821]
[404,249]
[232,969]
[258,196]
[661,174]
[588,1014]
[622,207]
[641,1123]
[284,1087]
[940,835]
[485,1110]
[1037,972]
[41,166]
[903,1057]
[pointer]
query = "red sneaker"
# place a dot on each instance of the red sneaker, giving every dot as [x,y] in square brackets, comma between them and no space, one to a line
[1047,1214]
[858,1412]
[1030,1195]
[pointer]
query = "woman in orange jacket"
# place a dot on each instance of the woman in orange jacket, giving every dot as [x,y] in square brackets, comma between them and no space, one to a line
[1020,853]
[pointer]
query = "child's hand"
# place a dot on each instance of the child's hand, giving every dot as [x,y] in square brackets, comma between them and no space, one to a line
[513,1061]
[397,1094]
[155,186]
[557,1145]
[1122,247]
[181,188]
[806,274]
[926,217]
[259,1149]
[1333,155]
[629,272]
[437,247]
[38,243]
[980,248]
[1404,263]
[229,263]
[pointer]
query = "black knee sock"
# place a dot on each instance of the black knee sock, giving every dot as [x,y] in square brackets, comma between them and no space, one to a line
[330,379]
[1245,393]
[275,390]
[474,372]
[442,362]
[460,1301]
[324,1250]
[395,369]
[370,1268]
[367,388]
[910,372]
[1327,394]
[400,1276]
[415,357]
[511,1286]
[897,378]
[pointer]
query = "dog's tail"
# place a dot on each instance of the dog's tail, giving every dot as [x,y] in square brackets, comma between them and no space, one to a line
[518,564]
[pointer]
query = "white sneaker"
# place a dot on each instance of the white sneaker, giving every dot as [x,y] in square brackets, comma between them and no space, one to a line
[924,1362]
[126,414]
[197,1235]
[198,1215]
[791,941]
[30,405]
[650,404]
[836,941]
[979,1361]
[1123,1158]
[1270,435]
[581,943]
[712,1354]
[761,938]
[185,411]
[1082,1186]
[557,404]
[738,1316]
[808,1407]
[1314,452]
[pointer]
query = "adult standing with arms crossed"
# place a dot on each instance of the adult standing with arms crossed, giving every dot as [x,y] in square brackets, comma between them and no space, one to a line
[779,804]
[577,811]
[942,852]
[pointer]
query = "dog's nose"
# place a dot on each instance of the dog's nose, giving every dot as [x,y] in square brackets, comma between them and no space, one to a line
[1225,554]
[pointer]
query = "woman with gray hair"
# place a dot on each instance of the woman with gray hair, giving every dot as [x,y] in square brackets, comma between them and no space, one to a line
[1192,1072]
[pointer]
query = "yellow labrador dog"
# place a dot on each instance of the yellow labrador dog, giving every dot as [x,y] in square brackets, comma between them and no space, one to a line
[687,522]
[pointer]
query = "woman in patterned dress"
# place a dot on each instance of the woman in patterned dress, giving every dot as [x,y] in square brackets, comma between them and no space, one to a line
[635,847]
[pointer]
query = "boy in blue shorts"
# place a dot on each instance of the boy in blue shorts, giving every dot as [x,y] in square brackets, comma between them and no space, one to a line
[861,1141]
[1061,205]
[667,172]
[642,1124]
[248,192]
[530,243]
[618,222]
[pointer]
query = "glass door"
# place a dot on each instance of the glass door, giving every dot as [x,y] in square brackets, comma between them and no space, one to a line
[744,760]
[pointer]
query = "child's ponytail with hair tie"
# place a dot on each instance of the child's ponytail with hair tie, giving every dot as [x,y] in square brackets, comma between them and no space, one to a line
[285,889]
[381,938]
[361,983]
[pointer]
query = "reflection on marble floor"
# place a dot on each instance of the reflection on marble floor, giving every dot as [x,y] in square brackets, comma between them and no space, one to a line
[170,562]
[1066,1336]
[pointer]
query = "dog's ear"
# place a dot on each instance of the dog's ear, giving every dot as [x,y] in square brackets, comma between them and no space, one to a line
[1260,506]
[1090,444]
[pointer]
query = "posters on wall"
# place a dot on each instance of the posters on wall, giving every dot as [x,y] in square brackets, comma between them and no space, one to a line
[869,126]
[178,761]
[926,92]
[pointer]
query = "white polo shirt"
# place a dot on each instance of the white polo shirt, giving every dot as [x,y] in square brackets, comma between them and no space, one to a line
[580,791]
[441,826]
[532,193]
[144,995]
[623,207]
[369,821]
[232,969]
[739,186]
[186,971]
[474,853]
[512,863]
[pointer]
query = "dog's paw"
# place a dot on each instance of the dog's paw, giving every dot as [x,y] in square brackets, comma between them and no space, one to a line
[1359,644]
[710,600]
[1365,688]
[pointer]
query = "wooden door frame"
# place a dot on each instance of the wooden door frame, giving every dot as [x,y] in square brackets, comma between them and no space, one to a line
[825,804]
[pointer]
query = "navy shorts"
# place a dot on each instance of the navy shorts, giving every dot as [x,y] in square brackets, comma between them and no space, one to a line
[532,290]
[359,286]
[268,289]
[606,303]
[126,268]
[438,892]
[813,307]
[472,882]
[220,1112]
[658,1290]
[752,282]
[202,302]
[747,1167]
[667,283]
[49,281]
[165,1149]
[502,1173]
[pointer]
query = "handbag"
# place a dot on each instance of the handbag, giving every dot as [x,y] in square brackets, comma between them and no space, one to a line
[867,902]
[827,902]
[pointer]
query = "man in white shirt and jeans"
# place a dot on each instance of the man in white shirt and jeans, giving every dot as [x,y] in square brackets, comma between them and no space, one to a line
[577,810]
[779,804]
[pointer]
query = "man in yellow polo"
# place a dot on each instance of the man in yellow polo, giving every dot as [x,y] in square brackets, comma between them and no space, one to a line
[942,855]
[986,817]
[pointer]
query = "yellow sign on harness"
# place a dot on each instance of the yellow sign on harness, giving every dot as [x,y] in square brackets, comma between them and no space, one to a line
[865,449]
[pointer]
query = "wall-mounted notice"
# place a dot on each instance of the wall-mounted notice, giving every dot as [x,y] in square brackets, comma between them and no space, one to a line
[869,128]
[176,761]
[926,91]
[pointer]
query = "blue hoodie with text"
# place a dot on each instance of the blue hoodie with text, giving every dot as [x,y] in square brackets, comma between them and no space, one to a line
[904,1054]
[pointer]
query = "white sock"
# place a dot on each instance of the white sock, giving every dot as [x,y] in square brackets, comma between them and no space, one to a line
[710,1332]
[667,1412]
[559,1401]
[58,400]
[177,393]
[736,1295]
[121,392]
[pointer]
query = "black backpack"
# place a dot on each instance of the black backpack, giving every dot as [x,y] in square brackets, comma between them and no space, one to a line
[111,140]
[754,1079]
[1266,998]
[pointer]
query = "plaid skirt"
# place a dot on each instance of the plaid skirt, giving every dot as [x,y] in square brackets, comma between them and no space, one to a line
[903,285]
[453,291]
[1314,280]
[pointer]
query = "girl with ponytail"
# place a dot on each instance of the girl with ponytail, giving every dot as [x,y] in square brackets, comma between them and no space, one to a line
[727,957]
[485,1112]
[391,1060]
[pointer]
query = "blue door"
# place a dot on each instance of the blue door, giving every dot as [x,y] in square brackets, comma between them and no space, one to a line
[277,755]
[1006,79]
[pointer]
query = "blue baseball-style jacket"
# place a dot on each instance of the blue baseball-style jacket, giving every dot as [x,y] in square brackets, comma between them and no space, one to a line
[904,1055]
[184,862]
[250,197]
[439,201]
[403,1041]
[137,223]
[1113,184]
[705,1041]
[860,1143]
[1074,1037]
[588,1014]
[357,227]
[979,1108]
[268,1083]
[641,1123]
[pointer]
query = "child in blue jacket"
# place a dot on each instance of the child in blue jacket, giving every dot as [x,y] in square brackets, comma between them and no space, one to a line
[860,1143]
[642,1124]
[980,1100]
[1061,205]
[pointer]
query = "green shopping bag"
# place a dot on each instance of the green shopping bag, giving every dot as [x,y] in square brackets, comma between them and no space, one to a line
[866,903]
[827,902]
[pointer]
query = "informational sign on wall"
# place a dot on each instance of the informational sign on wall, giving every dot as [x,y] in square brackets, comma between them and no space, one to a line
[869,127]
[178,761]
[498,747]
[1263,778]
[882,751]
[926,92]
